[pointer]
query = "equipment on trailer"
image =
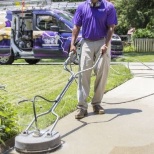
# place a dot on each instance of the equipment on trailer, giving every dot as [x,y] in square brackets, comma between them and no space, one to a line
[18,4]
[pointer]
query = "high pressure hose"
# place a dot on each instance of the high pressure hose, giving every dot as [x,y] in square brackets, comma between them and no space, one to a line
[2,88]
[126,75]
[129,100]
[128,62]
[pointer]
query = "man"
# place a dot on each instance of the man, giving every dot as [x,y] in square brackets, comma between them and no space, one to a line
[98,20]
[130,33]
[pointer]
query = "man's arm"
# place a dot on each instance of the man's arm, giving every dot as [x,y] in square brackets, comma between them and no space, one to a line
[75,33]
[109,34]
[108,38]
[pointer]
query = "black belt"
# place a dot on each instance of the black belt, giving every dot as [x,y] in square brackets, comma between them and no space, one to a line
[93,40]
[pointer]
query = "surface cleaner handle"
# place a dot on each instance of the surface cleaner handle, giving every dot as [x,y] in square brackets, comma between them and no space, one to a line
[97,61]
[71,58]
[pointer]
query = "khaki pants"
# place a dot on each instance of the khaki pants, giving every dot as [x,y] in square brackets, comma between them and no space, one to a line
[90,51]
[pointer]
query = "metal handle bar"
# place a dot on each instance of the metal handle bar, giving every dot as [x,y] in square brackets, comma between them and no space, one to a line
[59,97]
[69,59]
[34,110]
[100,56]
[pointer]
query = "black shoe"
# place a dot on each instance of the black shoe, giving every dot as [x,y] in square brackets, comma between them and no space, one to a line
[81,113]
[98,109]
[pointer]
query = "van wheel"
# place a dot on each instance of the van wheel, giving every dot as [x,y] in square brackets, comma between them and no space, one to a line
[6,60]
[32,61]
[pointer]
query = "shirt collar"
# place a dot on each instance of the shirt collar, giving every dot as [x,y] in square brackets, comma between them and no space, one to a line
[89,1]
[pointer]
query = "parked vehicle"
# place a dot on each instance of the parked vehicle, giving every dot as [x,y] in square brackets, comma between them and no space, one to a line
[37,34]
[116,46]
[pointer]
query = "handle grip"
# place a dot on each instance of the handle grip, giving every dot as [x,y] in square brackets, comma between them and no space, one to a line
[71,58]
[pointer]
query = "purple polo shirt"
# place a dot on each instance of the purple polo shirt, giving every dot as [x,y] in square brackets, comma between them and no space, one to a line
[95,20]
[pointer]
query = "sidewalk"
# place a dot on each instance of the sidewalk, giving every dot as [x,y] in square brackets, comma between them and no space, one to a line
[127,128]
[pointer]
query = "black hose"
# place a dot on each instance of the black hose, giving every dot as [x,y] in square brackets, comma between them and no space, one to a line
[129,100]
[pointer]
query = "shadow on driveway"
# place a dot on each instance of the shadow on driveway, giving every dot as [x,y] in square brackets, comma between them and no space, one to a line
[115,111]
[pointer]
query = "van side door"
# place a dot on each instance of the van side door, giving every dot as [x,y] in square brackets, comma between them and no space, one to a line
[5,34]
[46,43]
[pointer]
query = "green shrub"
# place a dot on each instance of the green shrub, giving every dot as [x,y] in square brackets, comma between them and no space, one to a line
[129,48]
[8,120]
[143,33]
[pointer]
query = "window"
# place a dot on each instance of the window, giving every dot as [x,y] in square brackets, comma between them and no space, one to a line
[44,22]
[63,27]
[66,15]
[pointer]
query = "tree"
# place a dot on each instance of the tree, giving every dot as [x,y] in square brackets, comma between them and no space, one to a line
[134,13]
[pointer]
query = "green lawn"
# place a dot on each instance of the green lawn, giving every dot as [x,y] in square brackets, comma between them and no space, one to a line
[129,57]
[26,81]
[136,56]
[42,60]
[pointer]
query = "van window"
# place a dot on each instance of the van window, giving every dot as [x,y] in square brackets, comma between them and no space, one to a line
[66,15]
[63,27]
[44,22]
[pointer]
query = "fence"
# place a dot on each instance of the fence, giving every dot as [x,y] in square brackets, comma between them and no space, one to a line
[144,45]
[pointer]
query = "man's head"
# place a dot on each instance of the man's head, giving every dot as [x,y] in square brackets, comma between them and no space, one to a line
[94,3]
